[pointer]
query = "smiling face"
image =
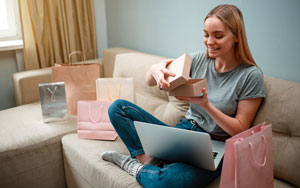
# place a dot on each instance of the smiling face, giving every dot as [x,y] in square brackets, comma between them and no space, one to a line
[218,39]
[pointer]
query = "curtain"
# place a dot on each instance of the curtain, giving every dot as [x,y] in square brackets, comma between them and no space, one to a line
[52,29]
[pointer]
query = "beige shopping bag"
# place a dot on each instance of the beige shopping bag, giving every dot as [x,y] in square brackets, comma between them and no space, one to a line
[80,80]
[110,89]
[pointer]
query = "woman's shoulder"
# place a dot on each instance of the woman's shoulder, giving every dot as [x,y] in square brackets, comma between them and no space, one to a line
[252,73]
[198,55]
[252,70]
[199,58]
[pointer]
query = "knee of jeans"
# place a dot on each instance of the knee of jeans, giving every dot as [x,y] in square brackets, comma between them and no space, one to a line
[116,106]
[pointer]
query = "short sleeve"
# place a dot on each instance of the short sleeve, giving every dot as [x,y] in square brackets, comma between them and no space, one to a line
[197,58]
[253,86]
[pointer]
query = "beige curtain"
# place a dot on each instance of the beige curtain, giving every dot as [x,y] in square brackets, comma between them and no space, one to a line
[52,29]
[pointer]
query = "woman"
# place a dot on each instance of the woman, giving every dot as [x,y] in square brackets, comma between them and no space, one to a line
[228,105]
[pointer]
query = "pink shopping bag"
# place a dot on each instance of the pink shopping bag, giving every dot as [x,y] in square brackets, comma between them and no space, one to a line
[93,121]
[248,159]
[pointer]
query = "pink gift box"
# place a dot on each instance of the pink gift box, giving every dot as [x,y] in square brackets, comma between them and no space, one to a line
[191,88]
[182,84]
[181,67]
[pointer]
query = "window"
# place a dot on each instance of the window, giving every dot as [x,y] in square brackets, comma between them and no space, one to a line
[9,23]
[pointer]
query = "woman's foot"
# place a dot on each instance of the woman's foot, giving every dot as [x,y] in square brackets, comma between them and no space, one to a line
[130,165]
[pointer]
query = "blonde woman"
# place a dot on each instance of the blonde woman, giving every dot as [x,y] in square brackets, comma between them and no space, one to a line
[234,92]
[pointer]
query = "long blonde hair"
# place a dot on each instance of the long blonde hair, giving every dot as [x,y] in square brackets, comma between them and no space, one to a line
[232,17]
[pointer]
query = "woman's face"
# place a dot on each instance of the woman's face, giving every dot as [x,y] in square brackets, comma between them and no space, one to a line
[218,39]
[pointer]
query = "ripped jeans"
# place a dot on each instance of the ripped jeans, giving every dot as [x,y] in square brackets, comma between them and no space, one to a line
[122,113]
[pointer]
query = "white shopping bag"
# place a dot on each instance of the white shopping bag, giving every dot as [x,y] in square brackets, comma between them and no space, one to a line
[110,89]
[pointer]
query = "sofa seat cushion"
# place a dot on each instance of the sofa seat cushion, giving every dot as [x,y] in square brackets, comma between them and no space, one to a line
[30,150]
[85,168]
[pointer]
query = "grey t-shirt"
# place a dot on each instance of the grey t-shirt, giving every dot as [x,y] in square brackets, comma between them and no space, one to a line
[224,90]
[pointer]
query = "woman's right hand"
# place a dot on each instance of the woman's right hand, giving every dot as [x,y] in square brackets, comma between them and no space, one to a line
[158,73]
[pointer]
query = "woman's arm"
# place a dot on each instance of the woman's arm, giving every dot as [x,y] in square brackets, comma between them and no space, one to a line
[246,112]
[157,74]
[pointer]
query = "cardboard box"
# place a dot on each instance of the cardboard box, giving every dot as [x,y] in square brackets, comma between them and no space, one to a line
[181,67]
[191,88]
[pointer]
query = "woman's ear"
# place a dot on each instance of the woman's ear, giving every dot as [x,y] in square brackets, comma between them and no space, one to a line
[236,40]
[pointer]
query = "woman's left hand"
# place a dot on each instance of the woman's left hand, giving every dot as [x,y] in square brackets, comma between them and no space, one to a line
[201,100]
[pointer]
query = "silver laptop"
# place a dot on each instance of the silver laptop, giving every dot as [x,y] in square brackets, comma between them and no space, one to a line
[180,145]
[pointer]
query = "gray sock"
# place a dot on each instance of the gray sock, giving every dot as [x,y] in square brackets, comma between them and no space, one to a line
[130,165]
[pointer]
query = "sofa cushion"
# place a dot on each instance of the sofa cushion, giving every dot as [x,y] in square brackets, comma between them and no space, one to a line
[281,108]
[153,100]
[85,168]
[30,150]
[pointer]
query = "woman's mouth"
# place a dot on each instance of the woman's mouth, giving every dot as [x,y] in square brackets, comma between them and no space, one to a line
[213,49]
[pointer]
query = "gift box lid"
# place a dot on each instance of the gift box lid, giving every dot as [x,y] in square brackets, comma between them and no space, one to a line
[181,67]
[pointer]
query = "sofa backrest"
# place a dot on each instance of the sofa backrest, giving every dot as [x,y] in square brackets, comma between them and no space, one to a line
[26,84]
[108,59]
[281,108]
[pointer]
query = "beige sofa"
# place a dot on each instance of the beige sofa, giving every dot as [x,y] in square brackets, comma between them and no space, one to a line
[34,154]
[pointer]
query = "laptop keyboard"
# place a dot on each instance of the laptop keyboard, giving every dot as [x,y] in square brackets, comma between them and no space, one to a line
[215,154]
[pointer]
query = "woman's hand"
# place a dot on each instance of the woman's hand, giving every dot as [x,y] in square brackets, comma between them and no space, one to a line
[158,73]
[201,100]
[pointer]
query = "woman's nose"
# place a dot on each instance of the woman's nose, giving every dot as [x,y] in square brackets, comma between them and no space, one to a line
[210,41]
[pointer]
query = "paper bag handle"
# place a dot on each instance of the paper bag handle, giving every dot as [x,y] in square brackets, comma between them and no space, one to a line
[109,93]
[91,117]
[265,153]
[77,52]
[52,93]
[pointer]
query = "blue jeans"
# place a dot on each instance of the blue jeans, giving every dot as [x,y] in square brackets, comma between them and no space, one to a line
[122,114]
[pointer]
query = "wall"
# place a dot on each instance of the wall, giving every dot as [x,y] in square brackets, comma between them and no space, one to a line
[100,21]
[172,27]
[8,66]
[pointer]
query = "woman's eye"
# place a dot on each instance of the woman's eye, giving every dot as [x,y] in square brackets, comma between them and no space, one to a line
[219,36]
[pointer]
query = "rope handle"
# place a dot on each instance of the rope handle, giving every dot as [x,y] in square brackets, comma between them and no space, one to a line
[109,92]
[91,117]
[77,52]
[53,98]
[265,153]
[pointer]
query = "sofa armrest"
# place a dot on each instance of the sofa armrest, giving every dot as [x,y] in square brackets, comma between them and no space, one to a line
[26,84]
